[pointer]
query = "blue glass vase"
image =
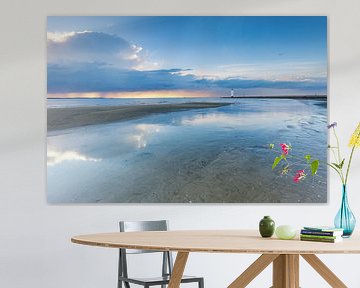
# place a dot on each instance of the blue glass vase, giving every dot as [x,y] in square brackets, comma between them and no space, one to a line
[345,219]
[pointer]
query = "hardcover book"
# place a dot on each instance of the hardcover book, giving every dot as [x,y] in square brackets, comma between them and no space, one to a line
[325,240]
[321,233]
[323,228]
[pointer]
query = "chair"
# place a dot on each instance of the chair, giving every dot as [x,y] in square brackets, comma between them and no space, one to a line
[167,262]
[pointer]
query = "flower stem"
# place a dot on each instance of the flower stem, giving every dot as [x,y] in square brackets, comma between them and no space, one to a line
[334,154]
[339,155]
[348,167]
[337,171]
[338,146]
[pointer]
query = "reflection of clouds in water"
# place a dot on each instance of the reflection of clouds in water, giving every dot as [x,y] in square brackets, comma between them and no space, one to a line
[245,119]
[143,132]
[56,157]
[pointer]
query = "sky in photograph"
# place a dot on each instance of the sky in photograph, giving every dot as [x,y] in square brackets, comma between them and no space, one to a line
[170,56]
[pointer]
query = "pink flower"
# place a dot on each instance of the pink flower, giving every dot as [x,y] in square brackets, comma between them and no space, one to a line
[300,175]
[285,148]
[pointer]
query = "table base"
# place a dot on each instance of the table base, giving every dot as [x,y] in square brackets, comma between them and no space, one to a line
[285,270]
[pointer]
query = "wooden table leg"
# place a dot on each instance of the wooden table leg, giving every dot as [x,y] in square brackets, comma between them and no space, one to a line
[253,270]
[178,269]
[286,271]
[324,271]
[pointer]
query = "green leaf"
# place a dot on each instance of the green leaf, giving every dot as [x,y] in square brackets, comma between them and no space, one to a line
[271,146]
[342,163]
[314,166]
[307,157]
[276,162]
[336,165]
[333,167]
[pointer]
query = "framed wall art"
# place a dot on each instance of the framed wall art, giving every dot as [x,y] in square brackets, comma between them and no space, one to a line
[165,109]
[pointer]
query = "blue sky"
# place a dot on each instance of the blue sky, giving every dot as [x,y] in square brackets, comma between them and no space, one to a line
[186,56]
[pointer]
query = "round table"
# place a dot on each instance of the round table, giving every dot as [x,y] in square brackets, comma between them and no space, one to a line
[284,254]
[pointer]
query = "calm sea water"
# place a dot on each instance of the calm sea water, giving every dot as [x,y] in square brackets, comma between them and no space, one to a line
[64,103]
[217,155]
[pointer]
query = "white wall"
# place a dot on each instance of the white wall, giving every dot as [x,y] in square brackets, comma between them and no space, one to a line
[35,248]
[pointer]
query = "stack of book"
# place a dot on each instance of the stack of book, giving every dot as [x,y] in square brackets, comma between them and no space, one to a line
[321,234]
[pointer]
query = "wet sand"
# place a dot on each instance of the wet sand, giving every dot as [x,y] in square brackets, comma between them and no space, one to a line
[64,118]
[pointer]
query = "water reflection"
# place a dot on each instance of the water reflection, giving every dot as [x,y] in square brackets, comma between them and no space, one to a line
[143,134]
[55,156]
[241,119]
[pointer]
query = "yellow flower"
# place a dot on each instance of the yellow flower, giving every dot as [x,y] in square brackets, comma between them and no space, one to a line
[355,138]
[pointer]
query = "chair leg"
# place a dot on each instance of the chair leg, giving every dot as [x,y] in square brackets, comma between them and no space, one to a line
[119,270]
[201,283]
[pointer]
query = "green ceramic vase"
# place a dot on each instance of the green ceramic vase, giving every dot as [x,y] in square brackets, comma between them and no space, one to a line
[266,227]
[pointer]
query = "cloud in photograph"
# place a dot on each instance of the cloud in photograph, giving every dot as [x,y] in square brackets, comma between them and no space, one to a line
[72,48]
[99,77]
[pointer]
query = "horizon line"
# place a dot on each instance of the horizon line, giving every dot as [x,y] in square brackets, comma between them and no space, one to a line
[229,97]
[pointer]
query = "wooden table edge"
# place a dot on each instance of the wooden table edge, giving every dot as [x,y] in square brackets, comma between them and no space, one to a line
[203,250]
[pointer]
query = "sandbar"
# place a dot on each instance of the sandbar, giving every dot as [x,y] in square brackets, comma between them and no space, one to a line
[72,117]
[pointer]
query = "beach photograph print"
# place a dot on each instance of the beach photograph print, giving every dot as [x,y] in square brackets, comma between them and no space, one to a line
[204,109]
